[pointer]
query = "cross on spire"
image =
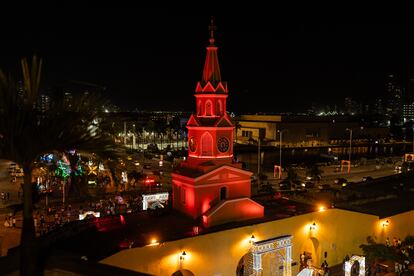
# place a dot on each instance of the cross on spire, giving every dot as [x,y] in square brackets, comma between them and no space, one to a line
[212,28]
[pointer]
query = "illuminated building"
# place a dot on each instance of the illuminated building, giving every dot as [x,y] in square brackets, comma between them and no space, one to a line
[210,184]
[394,96]
[408,111]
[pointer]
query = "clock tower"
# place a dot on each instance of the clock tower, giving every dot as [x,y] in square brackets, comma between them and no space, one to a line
[210,185]
[210,129]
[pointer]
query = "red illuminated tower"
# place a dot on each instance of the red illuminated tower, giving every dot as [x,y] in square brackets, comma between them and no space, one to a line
[209,183]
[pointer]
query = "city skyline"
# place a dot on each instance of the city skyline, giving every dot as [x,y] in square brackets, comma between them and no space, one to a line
[153,62]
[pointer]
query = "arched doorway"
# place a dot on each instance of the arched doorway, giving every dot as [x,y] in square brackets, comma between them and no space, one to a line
[355,266]
[243,268]
[268,257]
[206,144]
[310,248]
[183,272]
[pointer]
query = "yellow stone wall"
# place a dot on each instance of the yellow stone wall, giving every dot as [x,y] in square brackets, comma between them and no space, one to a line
[338,232]
[399,226]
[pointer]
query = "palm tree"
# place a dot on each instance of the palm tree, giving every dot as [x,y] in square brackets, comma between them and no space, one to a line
[26,133]
[237,126]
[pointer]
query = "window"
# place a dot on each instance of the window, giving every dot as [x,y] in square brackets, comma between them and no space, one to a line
[219,108]
[206,144]
[183,195]
[246,133]
[209,110]
[199,108]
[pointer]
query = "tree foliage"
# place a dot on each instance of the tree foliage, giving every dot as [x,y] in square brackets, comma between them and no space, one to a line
[377,251]
[27,133]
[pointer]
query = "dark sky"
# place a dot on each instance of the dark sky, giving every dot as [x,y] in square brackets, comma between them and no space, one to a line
[149,59]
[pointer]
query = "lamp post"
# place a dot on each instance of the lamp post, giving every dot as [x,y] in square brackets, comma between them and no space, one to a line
[350,148]
[280,148]
[258,162]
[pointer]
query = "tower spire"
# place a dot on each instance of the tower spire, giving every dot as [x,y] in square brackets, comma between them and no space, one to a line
[211,72]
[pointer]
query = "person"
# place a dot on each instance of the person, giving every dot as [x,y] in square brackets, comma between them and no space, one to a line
[394,242]
[346,258]
[42,221]
[302,261]
[387,242]
[368,270]
[377,269]
[325,267]
[14,221]
[6,222]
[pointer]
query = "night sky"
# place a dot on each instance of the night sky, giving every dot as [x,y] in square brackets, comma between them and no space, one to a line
[152,60]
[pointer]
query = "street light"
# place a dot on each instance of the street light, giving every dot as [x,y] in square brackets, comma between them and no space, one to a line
[413,138]
[258,162]
[280,148]
[350,147]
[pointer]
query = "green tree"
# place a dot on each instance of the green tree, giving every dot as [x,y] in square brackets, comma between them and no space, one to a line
[26,133]
[374,251]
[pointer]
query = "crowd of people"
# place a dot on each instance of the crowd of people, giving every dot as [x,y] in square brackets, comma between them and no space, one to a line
[306,262]
[404,257]
[405,253]
[10,221]
[56,215]
[47,219]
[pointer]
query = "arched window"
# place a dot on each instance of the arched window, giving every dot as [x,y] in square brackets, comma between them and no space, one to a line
[209,108]
[206,144]
[223,193]
[219,108]
[199,112]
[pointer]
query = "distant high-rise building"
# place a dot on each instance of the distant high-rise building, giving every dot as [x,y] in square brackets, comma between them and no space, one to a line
[312,109]
[408,111]
[378,107]
[20,89]
[351,106]
[67,99]
[394,96]
[44,103]
[366,109]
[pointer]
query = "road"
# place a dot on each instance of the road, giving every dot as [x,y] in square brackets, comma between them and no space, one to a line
[330,173]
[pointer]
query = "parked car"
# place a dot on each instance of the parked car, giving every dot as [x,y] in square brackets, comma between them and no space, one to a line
[308,184]
[286,185]
[367,179]
[340,181]
[348,185]
[324,186]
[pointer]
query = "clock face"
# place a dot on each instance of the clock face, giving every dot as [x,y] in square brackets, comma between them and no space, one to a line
[192,144]
[223,144]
